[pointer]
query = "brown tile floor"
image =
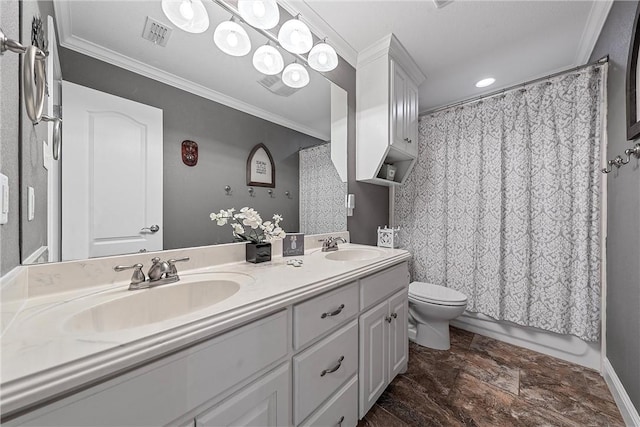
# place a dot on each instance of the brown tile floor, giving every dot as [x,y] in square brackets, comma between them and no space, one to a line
[485,382]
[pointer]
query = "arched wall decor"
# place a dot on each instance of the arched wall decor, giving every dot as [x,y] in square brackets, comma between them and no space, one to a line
[261,171]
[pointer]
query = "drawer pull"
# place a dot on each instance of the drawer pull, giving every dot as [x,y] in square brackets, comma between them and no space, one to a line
[340,421]
[333,313]
[335,368]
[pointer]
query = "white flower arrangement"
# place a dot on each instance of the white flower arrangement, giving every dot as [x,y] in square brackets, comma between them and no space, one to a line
[258,231]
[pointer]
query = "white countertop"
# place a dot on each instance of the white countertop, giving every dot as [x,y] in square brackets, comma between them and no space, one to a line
[42,357]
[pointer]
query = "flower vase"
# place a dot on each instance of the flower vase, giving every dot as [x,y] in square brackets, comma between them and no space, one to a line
[258,252]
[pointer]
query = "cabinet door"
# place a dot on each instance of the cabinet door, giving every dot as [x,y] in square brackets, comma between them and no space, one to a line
[411,118]
[397,101]
[398,342]
[262,403]
[374,350]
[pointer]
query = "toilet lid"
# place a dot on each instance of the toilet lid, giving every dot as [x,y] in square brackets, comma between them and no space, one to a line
[428,292]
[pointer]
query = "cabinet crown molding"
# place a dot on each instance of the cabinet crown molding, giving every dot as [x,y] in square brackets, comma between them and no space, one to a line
[390,45]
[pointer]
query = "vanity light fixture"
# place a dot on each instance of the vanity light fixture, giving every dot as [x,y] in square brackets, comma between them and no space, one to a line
[268,60]
[486,82]
[295,36]
[295,76]
[231,38]
[188,15]
[323,57]
[262,14]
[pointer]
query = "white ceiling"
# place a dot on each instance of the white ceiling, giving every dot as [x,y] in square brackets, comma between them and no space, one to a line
[455,46]
[465,41]
[112,31]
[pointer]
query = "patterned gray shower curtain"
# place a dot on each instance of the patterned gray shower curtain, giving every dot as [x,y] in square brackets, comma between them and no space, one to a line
[322,192]
[504,203]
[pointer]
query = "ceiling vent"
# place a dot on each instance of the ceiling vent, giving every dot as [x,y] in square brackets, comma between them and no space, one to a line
[156,32]
[274,84]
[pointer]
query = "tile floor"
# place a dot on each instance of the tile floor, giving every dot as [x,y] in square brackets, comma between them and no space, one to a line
[485,382]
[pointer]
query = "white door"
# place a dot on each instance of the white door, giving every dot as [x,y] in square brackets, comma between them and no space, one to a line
[264,403]
[398,113]
[398,340]
[374,350]
[111,175]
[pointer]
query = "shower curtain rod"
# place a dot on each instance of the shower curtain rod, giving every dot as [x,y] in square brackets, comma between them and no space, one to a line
[600,61]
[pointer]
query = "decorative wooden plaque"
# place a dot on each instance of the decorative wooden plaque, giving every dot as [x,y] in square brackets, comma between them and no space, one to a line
[189,152]
[261,171]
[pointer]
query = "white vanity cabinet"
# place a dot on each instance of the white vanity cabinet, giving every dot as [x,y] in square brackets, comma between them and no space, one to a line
[387,82]
[180,386]
[384,348]
[319,361]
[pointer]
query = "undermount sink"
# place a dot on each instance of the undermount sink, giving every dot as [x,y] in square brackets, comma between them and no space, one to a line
[352,254]
[143,307]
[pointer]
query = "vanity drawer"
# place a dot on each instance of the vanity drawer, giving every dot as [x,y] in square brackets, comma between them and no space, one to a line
[312,381]
[318,315]
[341,410]
[380,285]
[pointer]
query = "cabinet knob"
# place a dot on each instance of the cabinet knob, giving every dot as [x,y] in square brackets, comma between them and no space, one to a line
[340,421]
[388,319]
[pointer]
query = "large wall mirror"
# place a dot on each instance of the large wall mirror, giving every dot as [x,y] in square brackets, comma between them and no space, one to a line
[121,184]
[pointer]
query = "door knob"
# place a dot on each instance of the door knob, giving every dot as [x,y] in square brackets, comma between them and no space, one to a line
[154,228]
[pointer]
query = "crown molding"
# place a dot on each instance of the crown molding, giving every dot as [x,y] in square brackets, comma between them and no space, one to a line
[595,21]
[78,44]
[321,28]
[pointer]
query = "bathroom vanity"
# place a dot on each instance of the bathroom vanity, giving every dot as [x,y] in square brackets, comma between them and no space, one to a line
[278,345]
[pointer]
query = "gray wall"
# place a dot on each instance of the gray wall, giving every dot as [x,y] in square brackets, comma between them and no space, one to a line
[623,242]
[32,173]
[372,201]
[9,137]
[225,137]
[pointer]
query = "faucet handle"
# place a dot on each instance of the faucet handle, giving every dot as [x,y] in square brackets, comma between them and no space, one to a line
[173,271]
[137,277]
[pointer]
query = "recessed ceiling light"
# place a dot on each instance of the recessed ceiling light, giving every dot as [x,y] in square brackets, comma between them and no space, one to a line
[486,82]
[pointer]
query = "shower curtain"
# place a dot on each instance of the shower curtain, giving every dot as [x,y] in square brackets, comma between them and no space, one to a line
[503,203]
[322,192]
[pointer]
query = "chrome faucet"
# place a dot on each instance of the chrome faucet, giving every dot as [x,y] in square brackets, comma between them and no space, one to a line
[165,268]
[330,244]
[160,273]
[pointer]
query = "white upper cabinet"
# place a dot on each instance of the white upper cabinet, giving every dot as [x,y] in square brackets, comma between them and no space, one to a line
[387,81]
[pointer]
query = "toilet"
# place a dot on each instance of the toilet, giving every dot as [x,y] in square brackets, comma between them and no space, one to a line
[431,307]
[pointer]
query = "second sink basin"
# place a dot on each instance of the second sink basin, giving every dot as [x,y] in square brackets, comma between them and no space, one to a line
[358,254]
[143,307]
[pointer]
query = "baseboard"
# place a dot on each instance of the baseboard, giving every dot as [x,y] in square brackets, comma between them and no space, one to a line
[627,409]
[565,347]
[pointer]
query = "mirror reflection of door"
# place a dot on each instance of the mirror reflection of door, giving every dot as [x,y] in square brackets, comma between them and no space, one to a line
[111,175]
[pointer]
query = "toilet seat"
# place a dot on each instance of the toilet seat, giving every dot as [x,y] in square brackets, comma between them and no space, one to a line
[436,294]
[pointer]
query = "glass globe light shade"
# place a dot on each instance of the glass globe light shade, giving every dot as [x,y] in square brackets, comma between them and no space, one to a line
[295,36]
[268,60]
[232,39]
[188,15]
[323,58]
[295,76]
[262,14]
